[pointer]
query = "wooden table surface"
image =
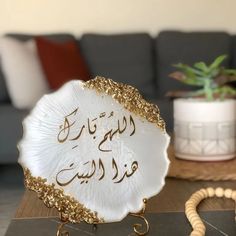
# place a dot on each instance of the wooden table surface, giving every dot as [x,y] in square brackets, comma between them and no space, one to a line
[171,199]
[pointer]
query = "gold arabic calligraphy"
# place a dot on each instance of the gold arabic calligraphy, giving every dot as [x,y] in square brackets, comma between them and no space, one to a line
[85,177]
[69,122]
[97,170]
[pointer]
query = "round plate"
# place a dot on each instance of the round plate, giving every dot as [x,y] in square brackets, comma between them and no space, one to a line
[94,150]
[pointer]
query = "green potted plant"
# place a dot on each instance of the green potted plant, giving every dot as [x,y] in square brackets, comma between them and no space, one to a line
[205,119]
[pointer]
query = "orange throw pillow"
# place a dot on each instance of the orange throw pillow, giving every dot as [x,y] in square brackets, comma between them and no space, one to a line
[61,62]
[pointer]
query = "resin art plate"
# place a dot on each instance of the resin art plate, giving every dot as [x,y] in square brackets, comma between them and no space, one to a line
[94,150]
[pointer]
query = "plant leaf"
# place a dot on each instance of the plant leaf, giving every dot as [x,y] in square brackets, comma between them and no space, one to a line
[216,63]
[197,93]
[201,66]
[224,79]
[228,71]
[228,90]
[181,93]
[225,91]
[182,77]
[188,70]
[177,75]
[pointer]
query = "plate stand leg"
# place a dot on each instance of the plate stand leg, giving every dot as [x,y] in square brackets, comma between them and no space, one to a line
[60,230]
[141,229]
[64,220]
[95,227]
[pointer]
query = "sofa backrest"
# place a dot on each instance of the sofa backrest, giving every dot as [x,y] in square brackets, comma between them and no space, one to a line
[126,58]
[141,61]
[173,47]
[4,97]
[233,55]
[60,37]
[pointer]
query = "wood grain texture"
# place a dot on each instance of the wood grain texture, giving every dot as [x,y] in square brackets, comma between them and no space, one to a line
[193,170]
[171,199]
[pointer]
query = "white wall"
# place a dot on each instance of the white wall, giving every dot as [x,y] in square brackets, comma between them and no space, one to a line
[109,16]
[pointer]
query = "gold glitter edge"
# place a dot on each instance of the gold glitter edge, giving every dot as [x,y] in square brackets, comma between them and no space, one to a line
[52,197]
[129,97]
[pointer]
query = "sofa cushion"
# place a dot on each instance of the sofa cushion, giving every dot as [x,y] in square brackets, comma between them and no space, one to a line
[173,47]
[10,117]
[126,58]
[25,79]
[57,37]
[11,132]
[61,62]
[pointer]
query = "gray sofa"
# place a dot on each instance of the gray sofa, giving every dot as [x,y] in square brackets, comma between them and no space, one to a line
[136,59]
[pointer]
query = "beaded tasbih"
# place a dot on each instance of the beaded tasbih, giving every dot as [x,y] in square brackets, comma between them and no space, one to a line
[199,228]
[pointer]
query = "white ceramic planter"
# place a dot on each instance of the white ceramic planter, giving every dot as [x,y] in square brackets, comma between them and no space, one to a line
[205,131]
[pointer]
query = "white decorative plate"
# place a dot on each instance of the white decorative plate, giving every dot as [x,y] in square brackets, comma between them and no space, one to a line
[94,150]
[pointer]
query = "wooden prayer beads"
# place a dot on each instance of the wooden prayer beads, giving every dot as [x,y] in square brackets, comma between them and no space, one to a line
[199,228]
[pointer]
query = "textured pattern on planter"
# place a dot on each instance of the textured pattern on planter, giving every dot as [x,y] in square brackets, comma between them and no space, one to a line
[200,138]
